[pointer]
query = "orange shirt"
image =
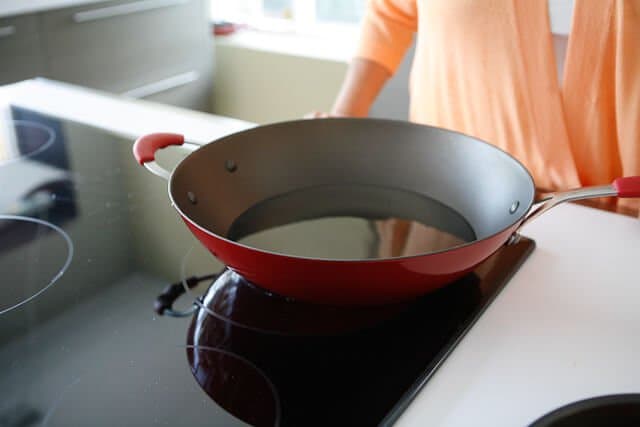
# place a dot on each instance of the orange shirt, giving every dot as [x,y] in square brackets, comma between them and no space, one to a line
[487,68]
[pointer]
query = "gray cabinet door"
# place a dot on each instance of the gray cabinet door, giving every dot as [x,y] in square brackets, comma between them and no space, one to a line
[20,49]
[122,45]
[189,89]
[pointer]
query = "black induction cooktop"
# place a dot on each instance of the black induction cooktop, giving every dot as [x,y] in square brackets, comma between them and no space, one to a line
[88,242]
[273,361]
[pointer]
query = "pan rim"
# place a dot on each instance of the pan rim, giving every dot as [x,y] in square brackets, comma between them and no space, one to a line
[210,233]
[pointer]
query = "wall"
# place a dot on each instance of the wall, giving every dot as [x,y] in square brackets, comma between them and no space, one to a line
[393,100]
[263,86]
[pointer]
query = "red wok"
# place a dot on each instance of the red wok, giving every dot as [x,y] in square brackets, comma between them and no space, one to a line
[331,165]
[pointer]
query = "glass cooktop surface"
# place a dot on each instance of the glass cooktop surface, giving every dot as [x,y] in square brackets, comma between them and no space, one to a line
[89,240]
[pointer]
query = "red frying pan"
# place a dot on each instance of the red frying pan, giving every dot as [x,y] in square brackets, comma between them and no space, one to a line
[410,185]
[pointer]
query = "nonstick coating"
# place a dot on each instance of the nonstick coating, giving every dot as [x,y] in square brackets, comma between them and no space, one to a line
[476,179]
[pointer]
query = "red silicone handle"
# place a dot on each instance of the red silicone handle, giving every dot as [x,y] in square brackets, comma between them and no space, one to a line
[627,187]
[145,147]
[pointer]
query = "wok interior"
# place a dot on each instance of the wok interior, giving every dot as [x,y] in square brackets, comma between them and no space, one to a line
[342,161]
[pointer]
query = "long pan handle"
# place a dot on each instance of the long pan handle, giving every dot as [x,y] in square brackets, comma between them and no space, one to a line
[627,187]
[621,187]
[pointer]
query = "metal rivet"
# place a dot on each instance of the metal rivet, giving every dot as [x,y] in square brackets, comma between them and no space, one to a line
[192,197]
[230,166]
[514,207]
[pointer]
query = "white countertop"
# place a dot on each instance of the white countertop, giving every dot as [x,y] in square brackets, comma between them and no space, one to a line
[122,116]
[566,327]
[20,7]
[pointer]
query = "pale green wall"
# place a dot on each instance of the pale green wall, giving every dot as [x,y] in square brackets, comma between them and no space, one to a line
[264,87]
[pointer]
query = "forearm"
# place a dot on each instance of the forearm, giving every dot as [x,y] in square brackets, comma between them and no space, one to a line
[363,81]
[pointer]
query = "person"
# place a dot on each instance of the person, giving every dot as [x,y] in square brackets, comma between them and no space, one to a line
[488,68]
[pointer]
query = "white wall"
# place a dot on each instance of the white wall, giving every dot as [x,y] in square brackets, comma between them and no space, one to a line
[263,86]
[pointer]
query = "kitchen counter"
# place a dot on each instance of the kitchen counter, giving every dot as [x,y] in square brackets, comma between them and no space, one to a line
[122,116]
[563,329]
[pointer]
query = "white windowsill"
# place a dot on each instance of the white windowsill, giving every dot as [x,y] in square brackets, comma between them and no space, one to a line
[338,48]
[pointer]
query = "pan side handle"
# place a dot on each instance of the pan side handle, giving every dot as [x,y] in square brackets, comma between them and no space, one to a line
[145,147]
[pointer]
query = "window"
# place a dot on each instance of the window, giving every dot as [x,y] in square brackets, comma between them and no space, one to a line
[349,11]
[278,8]
[301,16]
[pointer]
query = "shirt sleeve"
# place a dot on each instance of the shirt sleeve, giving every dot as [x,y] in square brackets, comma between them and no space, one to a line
[387,31]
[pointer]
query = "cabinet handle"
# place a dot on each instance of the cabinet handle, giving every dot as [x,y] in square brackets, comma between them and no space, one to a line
[7,31]
[124,9]
[163,85]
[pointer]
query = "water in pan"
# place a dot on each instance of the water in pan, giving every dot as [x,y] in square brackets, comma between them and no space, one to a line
[351,222]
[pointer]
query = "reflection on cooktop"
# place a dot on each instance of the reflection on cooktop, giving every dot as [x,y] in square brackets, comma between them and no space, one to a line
[324,363]
[129,390]
[240,303]
[21,139]
[33,267]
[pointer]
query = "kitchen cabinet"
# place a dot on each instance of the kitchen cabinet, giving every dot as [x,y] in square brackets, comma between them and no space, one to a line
[160,50]
[190,89]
